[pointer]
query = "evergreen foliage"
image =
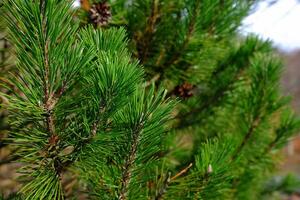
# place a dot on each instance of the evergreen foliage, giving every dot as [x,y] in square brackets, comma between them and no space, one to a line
[83,107]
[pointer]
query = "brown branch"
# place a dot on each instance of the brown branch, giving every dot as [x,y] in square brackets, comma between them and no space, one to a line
[61,90]
[270,147]
[50,97]
[95,125]
[176,56]
[190,32]
[153,80]
[149,31]
[49,102]
[182,172]
[127,168]
[267,150]
[94,129]
[168,180]
[247,137]
[164,187]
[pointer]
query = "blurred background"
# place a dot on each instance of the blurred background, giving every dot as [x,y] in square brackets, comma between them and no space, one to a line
[279,21]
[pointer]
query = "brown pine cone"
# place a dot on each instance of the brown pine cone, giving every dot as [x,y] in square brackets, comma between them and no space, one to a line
[100,14]
[184,91]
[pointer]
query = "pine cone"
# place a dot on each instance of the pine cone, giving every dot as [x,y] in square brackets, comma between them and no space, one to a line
[184,91]
[100,13]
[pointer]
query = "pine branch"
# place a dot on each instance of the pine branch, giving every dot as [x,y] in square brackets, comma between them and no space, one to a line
[190,31]
[50,99]
[163,189]
[239,60]
[289,124]
[49,62]
[180,51]
[210,102]
[49,103]
[211,175]
[247,137]
[263,99]
[168,180]
[98,121]
[127,168]
[182,172]
[144,43]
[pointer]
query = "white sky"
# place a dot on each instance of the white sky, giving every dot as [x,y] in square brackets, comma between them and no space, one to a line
[76,3]
[279,22]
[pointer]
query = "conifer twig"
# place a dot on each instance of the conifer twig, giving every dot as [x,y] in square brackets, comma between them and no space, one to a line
[247,137]
[215,99]
[50,99]
[190,32]
[182,172]
[153,80]
[270,147]
[164,187]
[127,168]
[168,180]
[48,102]
[149,31]
[95,125]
